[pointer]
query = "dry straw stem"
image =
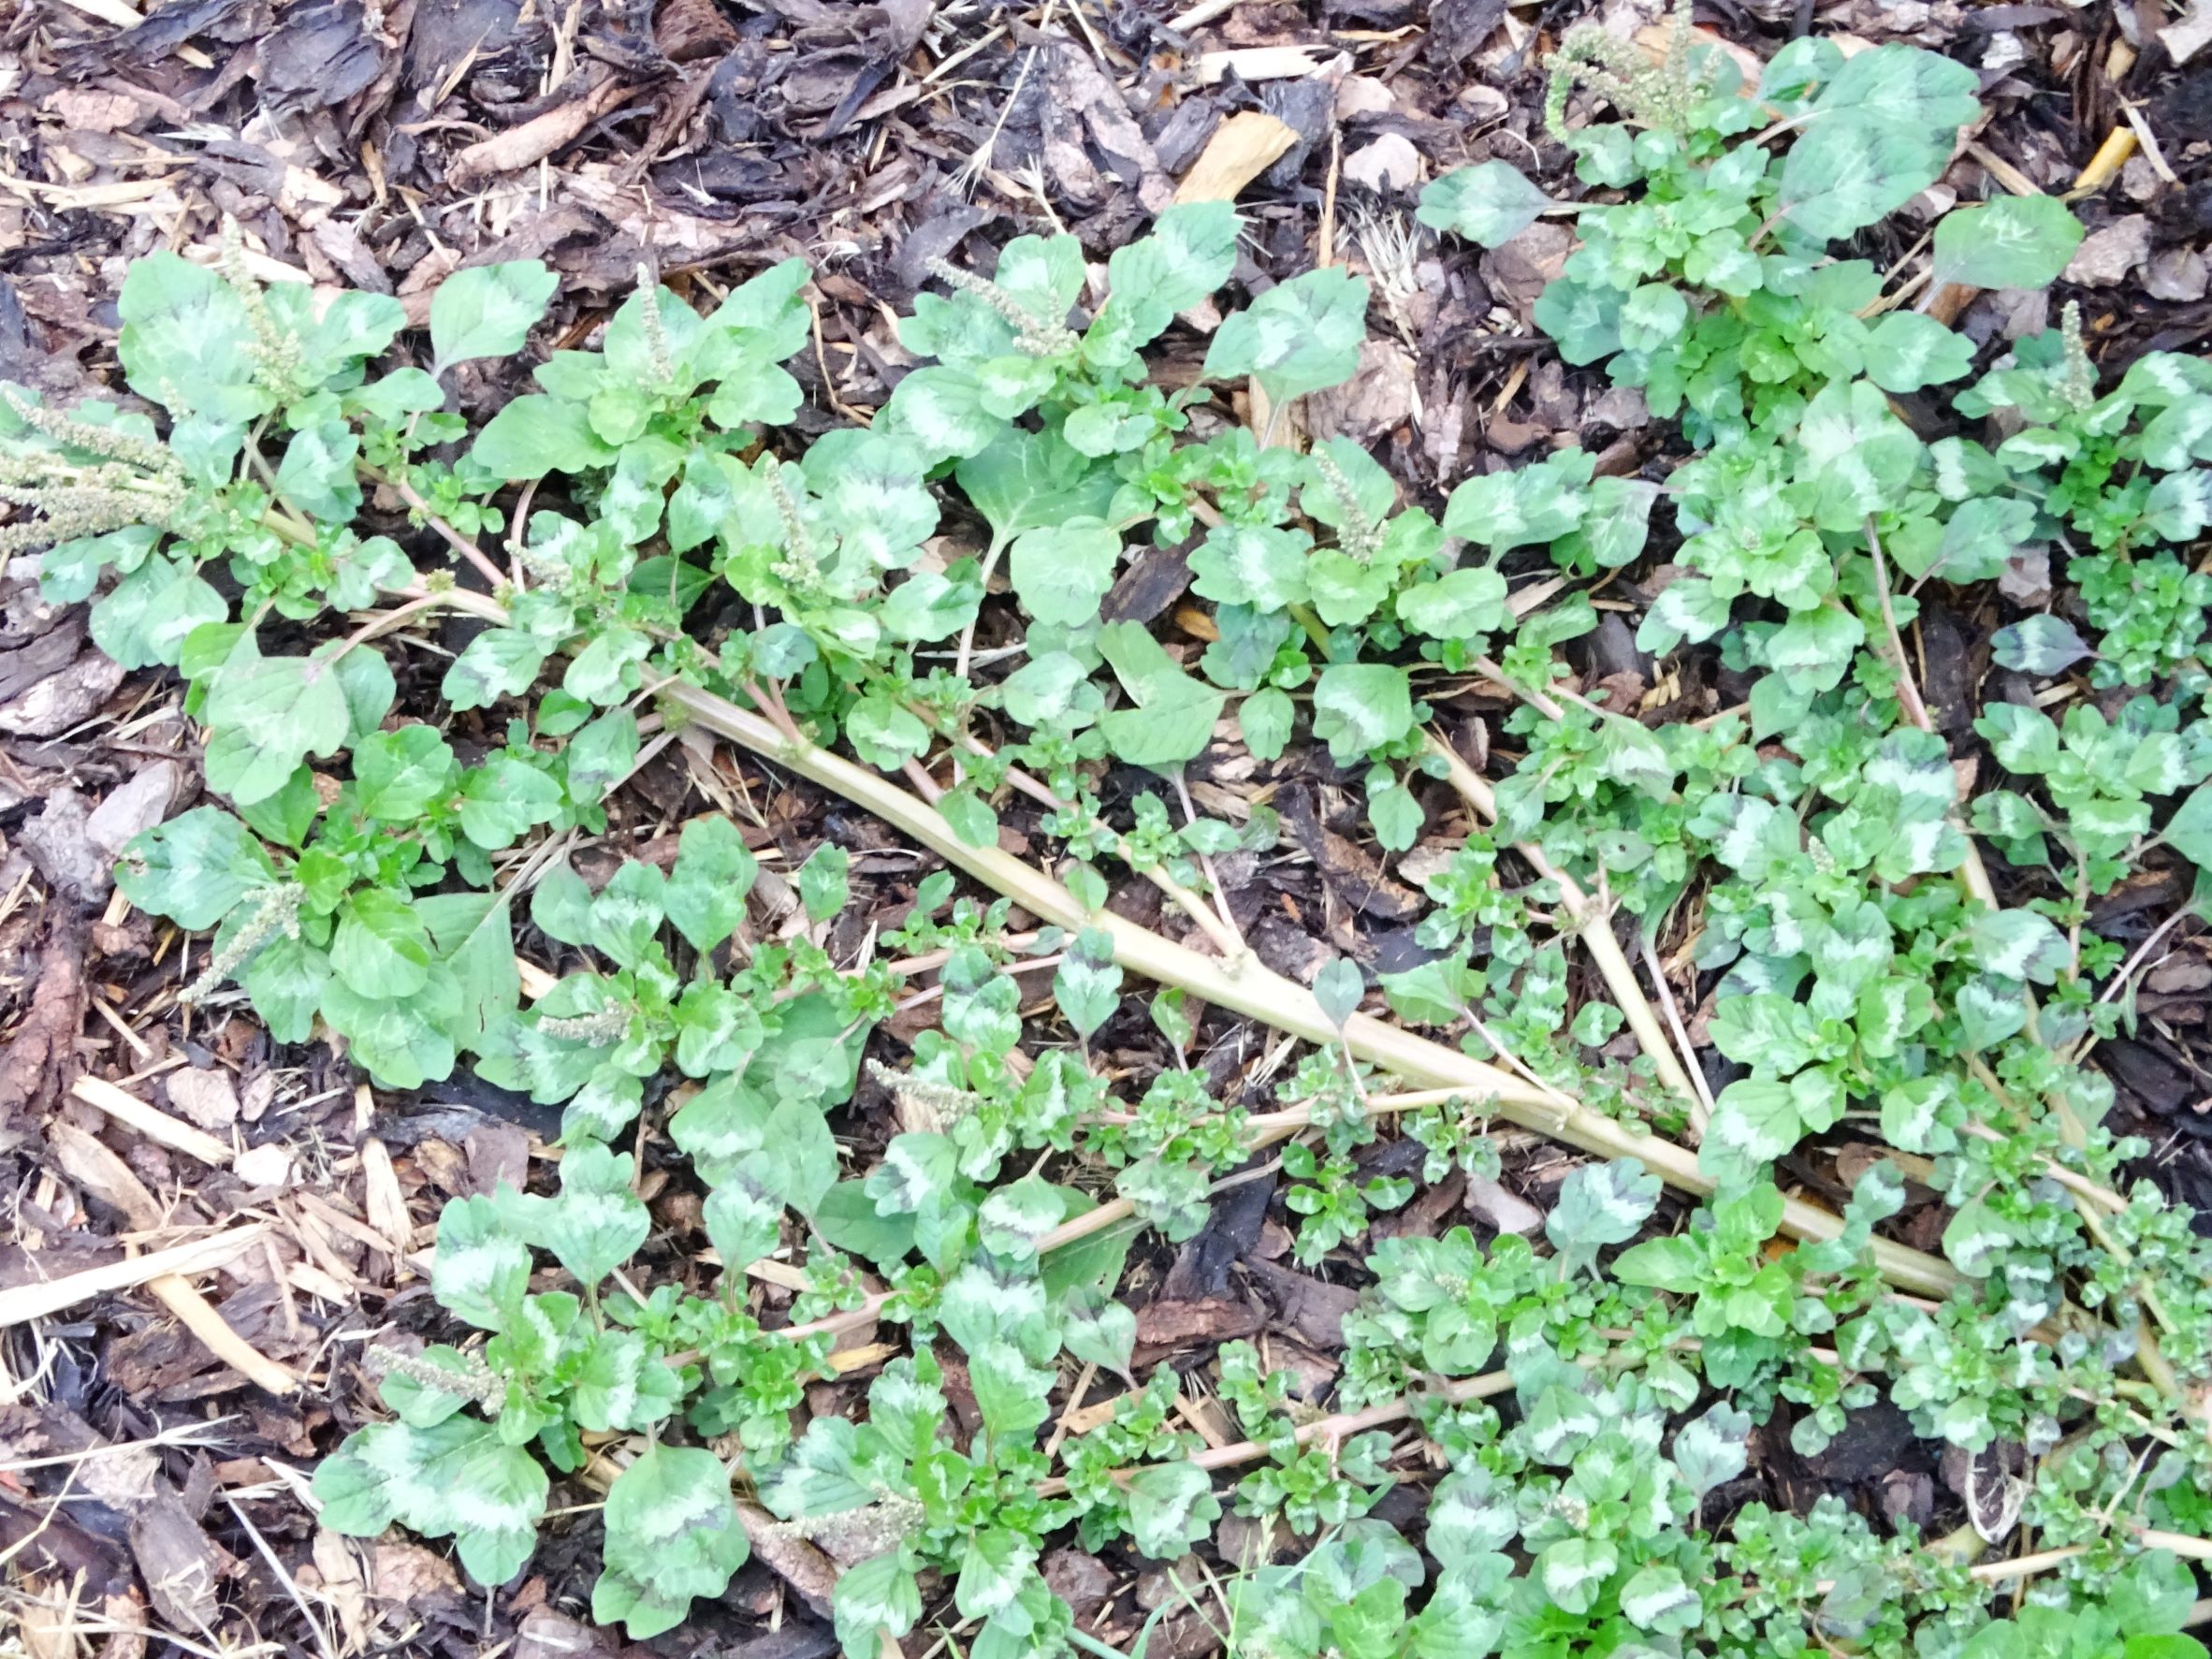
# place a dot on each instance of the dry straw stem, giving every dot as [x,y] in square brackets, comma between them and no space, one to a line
[1596,933]
[198,1316]
[1338,1427]
[1249,988]
[151,1121]
[1973,876]
[35,1300]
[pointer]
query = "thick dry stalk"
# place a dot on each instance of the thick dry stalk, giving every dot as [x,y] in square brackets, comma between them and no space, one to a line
[1974,874]
[1249,988]
[1597,932]
[1340,1426]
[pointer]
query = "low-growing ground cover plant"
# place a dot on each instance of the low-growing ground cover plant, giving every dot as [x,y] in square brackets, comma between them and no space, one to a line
[646,547]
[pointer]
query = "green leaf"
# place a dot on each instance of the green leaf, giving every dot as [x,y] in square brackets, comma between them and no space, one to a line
[1754,1123]
[1260,566]
[1856,456]
[1463,605]
[1600,1204]
[1905,86]
[626,913]
[1265,718]
[487,310]
[1654,318]
[1490,203]
[1027,480]
[596,1222]
[2153,1594]
[1516,506]
[716,1030]
[1853,169]
[287,978]
[1298,336]
[1062,571]
[473,935]
[536,435]
[393,1041]
[1906,352]
[872,1596]
[504,799]
[743,1225]
[1338,987]
[1361,707]
[1172,1506]
[1190,253]
[194,868]
[1584,320]
[2189,832]
[1014,1396]
[798,1163]
[2016,242]
[2039,645]
[823,886]
[269,713]
[400,774]
[1573,1570]
[1173,718]
[672,1534]
[1087,984]
[1658,1599]
[1713,1449]
[1678,1264]
[381,949]
[316,474]
[498,662]
[480,1270]
[704,898]
[847,1218]
[624,1385]
[2019,945]
[144,620]
[605,670]
[941,412]
[185,340]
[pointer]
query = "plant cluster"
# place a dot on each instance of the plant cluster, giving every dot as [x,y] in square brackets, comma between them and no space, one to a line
[675,555]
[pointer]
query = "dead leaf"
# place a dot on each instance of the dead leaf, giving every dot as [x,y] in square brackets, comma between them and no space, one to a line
[1388,164]
[2106,256]
[134,807]
[1379,398]
[1089,91]
[2188,33]
[1507,1212]
[264,1165]
[90,1162]
[1242,148]
[404,1576]
[1518,269]
[179,1563]
[1312,1308]
[91,111]
[58,844]
[206,1097]
[548,1635]
[799,1563]
[344,1585]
